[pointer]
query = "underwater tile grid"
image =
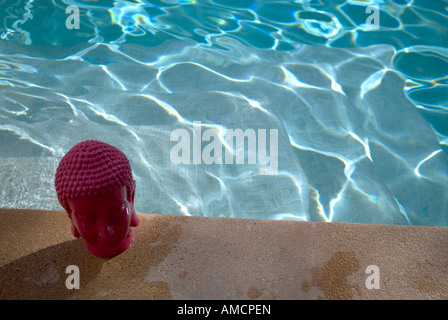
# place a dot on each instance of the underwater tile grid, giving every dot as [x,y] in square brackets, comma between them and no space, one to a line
[356,91]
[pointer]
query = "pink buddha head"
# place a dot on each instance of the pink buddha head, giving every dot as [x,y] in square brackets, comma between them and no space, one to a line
[95,186]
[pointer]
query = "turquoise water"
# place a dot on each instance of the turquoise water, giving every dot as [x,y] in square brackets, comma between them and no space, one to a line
[358,98]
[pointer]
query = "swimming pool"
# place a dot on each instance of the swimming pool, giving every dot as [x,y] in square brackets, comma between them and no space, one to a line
[347,100]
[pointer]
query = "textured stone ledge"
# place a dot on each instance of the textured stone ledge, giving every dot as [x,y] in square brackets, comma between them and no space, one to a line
[176,257]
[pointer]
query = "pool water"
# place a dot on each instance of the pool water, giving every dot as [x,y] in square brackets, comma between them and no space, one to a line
[355,94]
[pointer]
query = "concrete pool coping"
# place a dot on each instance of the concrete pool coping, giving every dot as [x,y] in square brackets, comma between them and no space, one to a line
[192,258]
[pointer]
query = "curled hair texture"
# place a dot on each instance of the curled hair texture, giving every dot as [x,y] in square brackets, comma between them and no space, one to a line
[92,168]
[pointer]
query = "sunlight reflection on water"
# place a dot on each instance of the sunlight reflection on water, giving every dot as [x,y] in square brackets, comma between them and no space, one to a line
[361,114]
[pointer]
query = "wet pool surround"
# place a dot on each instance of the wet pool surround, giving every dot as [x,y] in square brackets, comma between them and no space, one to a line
[178,257]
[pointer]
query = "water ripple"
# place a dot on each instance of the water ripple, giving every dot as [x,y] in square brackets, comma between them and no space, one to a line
[361,112]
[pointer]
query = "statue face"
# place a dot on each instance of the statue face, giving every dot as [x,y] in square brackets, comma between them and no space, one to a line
[104,222]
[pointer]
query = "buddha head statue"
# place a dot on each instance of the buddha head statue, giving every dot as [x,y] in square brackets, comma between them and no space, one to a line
[95,186]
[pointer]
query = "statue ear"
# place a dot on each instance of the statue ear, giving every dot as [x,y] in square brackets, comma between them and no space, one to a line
[133,191]
[75,230]
[134,218]
[135,221]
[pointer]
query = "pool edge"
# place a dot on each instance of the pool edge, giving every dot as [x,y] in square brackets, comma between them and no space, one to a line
[178,257]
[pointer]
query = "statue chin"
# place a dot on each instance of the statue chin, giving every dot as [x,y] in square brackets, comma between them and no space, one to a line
[106,250]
